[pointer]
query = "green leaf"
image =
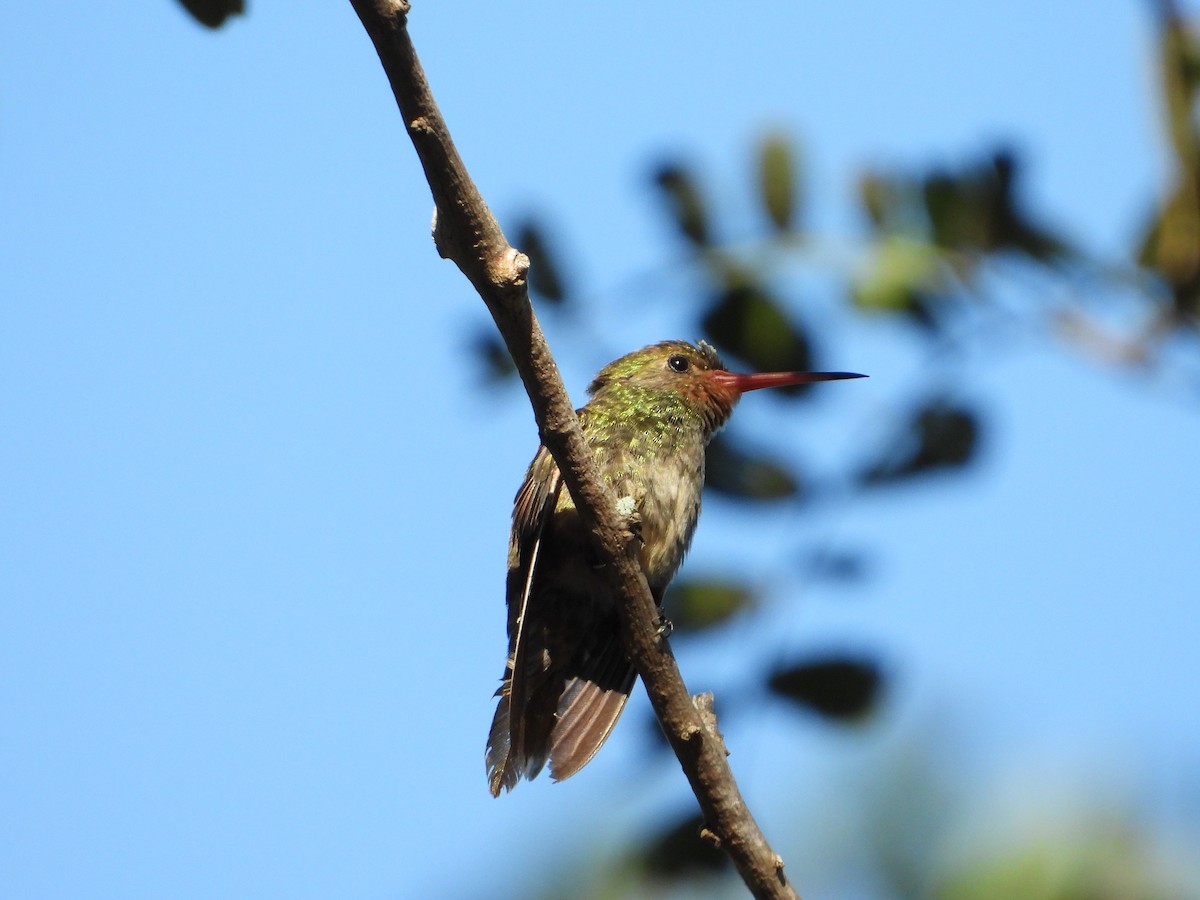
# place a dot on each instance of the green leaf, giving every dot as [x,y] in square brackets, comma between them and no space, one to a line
[836,686]
[955,216]
[1012,228]
[677,850]
[1108,857]
[684,202]
[880,198]
[493,357]
[777,182]
[1178,55]
[975,210]
[545,275]
[748,323]
[738,473]
[695,605]
[936,436]
[902,274]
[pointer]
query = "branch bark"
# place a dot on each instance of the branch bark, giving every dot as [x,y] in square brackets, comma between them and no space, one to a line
[467,233]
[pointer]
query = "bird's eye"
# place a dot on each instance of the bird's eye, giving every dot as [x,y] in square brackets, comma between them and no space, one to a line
[678,363]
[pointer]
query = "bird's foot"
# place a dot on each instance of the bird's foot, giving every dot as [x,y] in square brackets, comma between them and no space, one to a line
[627,509]
[665,627]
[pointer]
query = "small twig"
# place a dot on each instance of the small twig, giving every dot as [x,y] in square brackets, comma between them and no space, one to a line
[467,233]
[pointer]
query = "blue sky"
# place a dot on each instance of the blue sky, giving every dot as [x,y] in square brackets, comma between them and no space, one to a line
[256,504]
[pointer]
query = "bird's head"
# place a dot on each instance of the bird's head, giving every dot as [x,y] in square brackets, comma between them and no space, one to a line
[676,372]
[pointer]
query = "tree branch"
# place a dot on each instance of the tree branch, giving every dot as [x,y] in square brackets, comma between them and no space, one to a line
[467,233]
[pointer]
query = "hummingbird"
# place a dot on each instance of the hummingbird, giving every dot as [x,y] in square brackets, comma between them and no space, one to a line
[567,677]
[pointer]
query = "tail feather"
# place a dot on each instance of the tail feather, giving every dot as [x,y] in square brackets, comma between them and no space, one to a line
[520,735]
[586,725]
[565,719]
[501,776]
[589,707]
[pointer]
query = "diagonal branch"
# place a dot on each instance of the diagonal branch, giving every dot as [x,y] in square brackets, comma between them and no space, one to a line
[467,233]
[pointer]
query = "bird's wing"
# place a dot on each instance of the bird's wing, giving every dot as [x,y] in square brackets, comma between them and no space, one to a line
[534,505]
[532,509]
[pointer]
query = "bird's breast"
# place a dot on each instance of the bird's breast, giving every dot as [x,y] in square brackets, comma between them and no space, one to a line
[668,495]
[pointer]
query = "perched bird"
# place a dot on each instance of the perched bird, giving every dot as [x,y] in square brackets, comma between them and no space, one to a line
[568,676]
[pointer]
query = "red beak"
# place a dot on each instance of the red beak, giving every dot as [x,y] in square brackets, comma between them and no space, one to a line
[741,383]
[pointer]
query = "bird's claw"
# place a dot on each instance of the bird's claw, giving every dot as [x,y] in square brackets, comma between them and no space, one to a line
[665,627]
[627,509]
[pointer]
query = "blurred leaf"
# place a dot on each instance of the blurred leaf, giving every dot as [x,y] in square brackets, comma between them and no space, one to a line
[545,275]
[880,197]
[678,851]
[910,805]
[937,436]
[903,275]
[696,605]
[493,356]
[837,687]
[956,212]
[685,203]
[975,211]
[1012,227]
[1146,250]
[740,474]
[213,13]
[1179,65]
[1103,861]
[1171,247]
[748,323]
[654,741]
[1172,243]
[777,182]
[836,565]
